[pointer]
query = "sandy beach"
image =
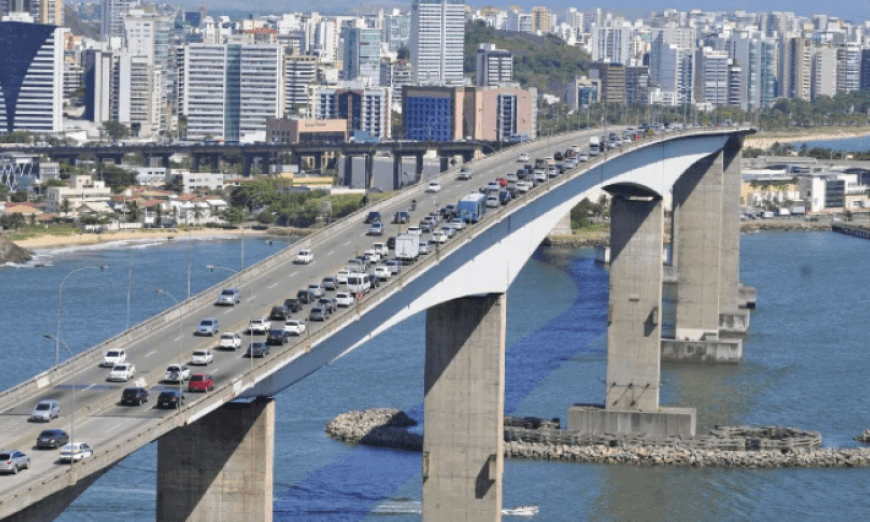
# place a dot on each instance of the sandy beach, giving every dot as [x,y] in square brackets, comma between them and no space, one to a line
[49,241]
[764,140]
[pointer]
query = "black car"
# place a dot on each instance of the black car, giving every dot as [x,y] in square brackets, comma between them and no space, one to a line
[279,313]
[558,156]
[391,242]
[425,227]
[304,296]
[135,396]
[52,439]
[258,350]
[373,217]
[329,303]
[374,280]
[318,313]
[277,336]
[170,399]
[329,283]
[401,217]
[293,305]
[504,197]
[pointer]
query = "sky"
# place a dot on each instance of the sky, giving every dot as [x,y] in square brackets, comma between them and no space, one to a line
[856,11]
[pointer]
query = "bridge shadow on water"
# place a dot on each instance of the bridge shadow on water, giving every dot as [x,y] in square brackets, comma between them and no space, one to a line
[351,486]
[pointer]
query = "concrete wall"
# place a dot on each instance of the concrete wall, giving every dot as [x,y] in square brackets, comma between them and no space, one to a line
[463,440]
[592,420]
[729,275]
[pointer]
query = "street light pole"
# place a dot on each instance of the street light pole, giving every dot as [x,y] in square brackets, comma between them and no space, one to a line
[72,429]
[60,301]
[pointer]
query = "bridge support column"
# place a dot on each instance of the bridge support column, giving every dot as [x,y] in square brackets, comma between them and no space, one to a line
[419,171]
[463,442]
[247,161]
[348,170]
[397,171]
[370,168]
[445,163]
[215,162]
[634,331]
[220,467]
[318,161]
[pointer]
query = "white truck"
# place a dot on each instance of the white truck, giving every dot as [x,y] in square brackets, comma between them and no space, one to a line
[594,146]
[407,248]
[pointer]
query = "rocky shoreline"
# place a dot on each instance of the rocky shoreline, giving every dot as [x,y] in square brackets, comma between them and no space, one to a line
[770,447]
[12,253]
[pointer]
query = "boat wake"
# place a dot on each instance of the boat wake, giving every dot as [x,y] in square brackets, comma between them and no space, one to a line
[409,506]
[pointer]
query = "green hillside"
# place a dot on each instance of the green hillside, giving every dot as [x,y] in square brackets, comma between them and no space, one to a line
[545,62]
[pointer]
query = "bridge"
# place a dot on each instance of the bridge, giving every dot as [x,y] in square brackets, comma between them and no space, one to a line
[215,453]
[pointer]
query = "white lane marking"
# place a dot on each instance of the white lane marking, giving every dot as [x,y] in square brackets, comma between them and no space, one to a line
[116,426]
[273,285]
[214,370]
[228,311]
[349,242]
[149,354]
[180,337]
[293,274]
[312,263]
[252,298]
[330,252]
[89,387]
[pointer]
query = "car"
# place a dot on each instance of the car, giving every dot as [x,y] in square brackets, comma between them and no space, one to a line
[357,264]
[75,451]
[295,326]
[433,186]
[582,157]
[258,350]
[170,399]
[303,257]
[114,357]
[230,341]
[304,296]
[341,276]
[502,182]
[318,313]
[393,265]
[276,336]
[259,325]
[279,312]
[45,410]
[424,248]
[391,242]
[343,299]
[376,229]
[511,178]
[371,257]
[329,283]
[523,157]
[292,305]
[229,296]
[415,230]
[493,186]
[465,173]
[329,303]
[401,217]
[457,223]
[504,197]
[122,372]
[176,373]
[315,289]
[135,396]
[374,281]
[372,217]
[201,357]
[208,326]
[558,156]
[439,237]
[381,249]
[448,230]
[383,273]
[203,382]
[52,439]
[13,460]
[539,176]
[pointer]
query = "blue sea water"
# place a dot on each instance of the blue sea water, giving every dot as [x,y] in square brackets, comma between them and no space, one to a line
[805,365]
[859,144]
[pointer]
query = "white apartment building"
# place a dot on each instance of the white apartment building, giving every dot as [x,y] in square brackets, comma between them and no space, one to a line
[83,189]
[519,21]
[711,77]
[136,95]
[756,56]
[611,44]
[365,108]
[494,66]
[675,74]
[261,89]
[113,13]
[300,72]
[824,72]
[437,41]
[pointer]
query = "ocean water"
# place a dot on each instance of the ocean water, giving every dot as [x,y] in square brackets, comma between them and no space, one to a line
[805,365]
[860,144]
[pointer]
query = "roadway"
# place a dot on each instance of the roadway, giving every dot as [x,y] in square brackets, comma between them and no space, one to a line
[102,422]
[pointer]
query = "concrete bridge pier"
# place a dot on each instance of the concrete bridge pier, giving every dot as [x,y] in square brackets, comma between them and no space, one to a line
[634,329]
[219,467]
[445,163]
[397,171]
[348,170]
[463,440]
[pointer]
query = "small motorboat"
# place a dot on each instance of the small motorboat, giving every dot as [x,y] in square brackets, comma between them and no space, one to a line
[520,511]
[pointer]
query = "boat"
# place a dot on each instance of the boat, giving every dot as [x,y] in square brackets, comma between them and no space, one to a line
[520,511]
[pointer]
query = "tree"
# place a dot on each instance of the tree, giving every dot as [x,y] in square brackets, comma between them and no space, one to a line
[19,196]
[158,214]
[117,178]
[54,183]
[134,212]
[232,215]
[64,206]
[197,214]
[115,130]
[33,220]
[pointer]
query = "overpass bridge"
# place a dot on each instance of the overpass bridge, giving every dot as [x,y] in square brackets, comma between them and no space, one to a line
[215,453]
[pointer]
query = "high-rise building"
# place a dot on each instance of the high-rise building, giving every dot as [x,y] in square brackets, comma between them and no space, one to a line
[637,84]
[676,66]
[494,66]
[865,69]
[540,19]
[849,67]
[683,38]
[31,76]
[365,108]
[97,66]
[519,21]
[148,35]
[136,99]
[362,53]
[612,78]
[42,11]
[798,68]
[113,13]
[397,30]
[395,75]
[437,41]
[756,55]
[711,77]
[612,44]
[824,71]
[300,73]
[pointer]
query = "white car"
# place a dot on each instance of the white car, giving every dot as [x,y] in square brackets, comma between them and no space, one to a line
[383,273]
[114,358]
[294,326]
[229,296]
[381,248]
[176,373]
[433,186]
[373,256]
[450,231]
[122,372]
[457,223]
[524,186]
[341,276]
[344,299]
[394,266]
[230,341]
[204,357]
[540,175]
[465,173]
[523,157]
[424,248]
[492,202]
[414,230]
[440,237]
[259,325]
[493,185]
[75,451]
[304,257]
[583,157]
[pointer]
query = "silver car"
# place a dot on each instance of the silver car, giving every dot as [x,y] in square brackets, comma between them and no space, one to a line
[13,460]
[208,326]
[45,411]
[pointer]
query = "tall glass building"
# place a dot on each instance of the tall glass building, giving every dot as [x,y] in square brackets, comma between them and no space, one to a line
[437,41]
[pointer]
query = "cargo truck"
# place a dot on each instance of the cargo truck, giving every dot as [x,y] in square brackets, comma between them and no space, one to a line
[407,248]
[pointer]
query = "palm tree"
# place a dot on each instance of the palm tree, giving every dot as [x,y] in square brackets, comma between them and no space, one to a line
[134,212]
[64,206]
[197,214]
[158,214]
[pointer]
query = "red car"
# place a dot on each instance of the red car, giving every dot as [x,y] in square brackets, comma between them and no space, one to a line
[201,382]
[501,181]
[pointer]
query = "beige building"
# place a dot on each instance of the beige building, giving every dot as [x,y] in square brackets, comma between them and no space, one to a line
[293,130]
[82,190]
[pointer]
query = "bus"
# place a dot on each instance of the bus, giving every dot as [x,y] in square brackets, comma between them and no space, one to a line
[472,207]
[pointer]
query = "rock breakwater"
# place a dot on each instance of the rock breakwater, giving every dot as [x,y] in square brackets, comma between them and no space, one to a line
[12,253]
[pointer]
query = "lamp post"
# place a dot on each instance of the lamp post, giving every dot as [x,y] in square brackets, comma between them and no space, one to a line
[180,341]
[212,268]
[60,301]
[72,429]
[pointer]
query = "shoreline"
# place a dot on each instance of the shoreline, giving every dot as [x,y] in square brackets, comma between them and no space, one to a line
[764,141]
[106,238]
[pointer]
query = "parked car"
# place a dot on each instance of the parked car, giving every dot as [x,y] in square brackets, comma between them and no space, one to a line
[304,296]
[170,399]
[230,341]
[52,439]
[295,326]
[343,299]
[229,296]
[376,229]
[202,357]
[292,305]
[304,257]
[176,373]
[373,217]
[45,410]
[383,273]
[433,186]
[341,276]
[11,461]
[203,382]
[329,283]
[114,357]
[135,396]
[276,336]
[122,372]
[208,326]
[258,350]
[318,313]
[279,312]
[259,325]
[329,303]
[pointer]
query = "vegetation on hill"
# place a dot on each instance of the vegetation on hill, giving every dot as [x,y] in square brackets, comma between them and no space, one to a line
[545,62]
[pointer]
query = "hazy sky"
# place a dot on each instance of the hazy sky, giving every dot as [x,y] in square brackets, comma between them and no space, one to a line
[854,10]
